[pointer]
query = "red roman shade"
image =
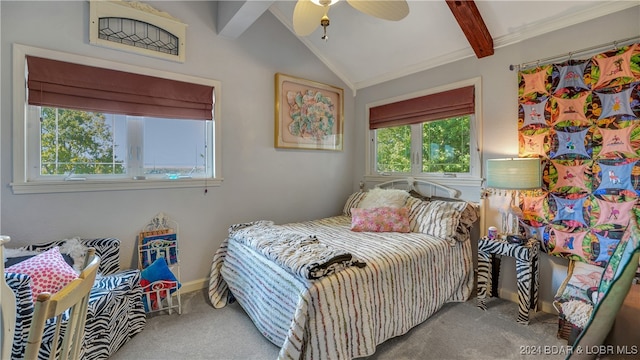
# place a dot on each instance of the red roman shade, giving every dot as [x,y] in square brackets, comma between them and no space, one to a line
[431,107]
[67,85]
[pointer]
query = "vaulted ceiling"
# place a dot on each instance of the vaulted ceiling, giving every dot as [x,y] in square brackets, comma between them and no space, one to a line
[364,51]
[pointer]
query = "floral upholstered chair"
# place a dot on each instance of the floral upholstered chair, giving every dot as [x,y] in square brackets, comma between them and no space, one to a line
[589,311]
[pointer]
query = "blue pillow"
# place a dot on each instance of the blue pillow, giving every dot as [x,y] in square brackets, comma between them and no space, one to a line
[158,270]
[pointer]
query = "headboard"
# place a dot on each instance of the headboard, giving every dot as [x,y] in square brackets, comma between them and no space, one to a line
[422,187]
[429,189]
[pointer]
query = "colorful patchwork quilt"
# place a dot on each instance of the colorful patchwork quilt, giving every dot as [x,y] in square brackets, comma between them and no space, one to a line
[582,119]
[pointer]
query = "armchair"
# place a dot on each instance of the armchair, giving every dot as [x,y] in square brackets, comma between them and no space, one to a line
[115,311]
[612,288]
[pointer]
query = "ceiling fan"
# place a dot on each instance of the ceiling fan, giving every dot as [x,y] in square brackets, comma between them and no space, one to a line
[307,13]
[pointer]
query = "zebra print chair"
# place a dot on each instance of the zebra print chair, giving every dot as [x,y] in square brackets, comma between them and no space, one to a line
[115,312]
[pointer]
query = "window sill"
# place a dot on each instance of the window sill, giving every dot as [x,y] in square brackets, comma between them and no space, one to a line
[44,187]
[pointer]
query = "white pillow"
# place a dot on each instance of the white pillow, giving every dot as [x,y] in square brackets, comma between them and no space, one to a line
[74,248]
[377,197]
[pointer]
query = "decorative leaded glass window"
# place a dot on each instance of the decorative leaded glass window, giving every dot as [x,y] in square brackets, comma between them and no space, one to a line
[137,27]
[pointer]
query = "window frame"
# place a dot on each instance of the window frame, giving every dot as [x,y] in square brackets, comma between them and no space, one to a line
[21,131]
[473,178]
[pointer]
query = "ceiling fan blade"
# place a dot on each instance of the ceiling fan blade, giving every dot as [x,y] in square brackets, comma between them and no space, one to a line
[306,17]
[389,10]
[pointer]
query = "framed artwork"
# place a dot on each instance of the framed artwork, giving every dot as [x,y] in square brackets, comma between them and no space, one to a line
[308,114]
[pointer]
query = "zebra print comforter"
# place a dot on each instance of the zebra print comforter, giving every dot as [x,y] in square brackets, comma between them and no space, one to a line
[408,277]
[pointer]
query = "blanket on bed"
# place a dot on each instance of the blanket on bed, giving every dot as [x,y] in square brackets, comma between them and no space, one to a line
[303,255]
[408,277]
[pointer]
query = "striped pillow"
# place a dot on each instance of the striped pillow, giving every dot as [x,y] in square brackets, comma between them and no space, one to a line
[353,201]
[439,219]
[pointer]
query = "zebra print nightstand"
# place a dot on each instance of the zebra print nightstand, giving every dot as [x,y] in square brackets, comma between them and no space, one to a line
[526,256]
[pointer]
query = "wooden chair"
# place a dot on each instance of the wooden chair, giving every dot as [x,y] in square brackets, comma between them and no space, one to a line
[75,297]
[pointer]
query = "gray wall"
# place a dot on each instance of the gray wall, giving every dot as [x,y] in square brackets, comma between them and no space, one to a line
[260,182]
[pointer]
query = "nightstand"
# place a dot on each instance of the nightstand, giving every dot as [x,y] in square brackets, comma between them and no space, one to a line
[526,256]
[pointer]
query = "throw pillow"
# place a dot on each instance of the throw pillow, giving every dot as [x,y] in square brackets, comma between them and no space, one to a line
[383,219]
[378,197]
[353,202]
[583,283]
[440,219]
[157,271]
[48,271]
[76,250]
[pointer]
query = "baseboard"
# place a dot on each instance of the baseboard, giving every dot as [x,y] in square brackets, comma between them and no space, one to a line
[194,285]
[513,296]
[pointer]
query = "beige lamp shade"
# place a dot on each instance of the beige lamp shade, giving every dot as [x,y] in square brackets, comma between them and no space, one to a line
[514,173]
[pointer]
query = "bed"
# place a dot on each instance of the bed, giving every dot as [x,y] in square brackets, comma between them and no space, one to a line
[361,287]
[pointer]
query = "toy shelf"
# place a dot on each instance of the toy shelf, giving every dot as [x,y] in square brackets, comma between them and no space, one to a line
[159,240]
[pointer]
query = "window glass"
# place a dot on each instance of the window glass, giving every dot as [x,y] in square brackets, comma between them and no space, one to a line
[79,142]
[82,143]
[446,145]
[393,149]
[432,134]
[441,146]
[176,147]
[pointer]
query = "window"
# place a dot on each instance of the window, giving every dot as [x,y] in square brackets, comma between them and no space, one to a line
[71,137]
[136,27]
[82,144]
[433,134]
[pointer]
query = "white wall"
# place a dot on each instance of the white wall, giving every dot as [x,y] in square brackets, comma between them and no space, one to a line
[500,107]
[260,182]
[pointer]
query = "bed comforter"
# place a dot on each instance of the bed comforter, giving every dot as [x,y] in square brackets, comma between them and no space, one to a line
[408,277]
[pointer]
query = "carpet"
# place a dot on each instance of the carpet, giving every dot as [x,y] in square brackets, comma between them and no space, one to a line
[457,331]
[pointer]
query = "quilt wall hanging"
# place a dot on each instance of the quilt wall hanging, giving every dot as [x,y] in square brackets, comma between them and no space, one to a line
[582,119]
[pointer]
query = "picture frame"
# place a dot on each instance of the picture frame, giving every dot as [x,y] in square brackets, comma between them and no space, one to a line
[308,114]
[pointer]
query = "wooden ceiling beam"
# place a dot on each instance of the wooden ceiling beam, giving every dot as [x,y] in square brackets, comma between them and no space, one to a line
[470,21]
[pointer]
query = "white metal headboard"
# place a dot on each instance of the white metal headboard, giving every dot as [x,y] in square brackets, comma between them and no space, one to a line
[423,187]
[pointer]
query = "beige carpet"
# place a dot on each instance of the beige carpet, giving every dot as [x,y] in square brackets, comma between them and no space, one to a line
[457,331]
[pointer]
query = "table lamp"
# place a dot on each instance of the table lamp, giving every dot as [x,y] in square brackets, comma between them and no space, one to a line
[513,174]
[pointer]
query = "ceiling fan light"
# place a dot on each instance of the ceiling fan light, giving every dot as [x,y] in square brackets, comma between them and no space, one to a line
[324,2]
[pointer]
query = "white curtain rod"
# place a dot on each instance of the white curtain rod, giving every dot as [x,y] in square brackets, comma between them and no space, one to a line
[568,55]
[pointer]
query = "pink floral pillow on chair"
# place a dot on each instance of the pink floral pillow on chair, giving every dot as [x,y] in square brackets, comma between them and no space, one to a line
[382,219]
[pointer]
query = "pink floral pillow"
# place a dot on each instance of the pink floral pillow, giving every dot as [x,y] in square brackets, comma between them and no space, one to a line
[382,219]
[48,271]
